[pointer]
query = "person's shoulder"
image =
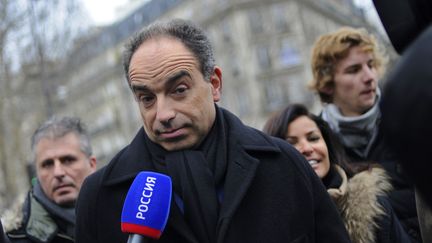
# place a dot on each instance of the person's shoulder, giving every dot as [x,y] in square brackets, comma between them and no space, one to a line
[93,181]
[287,150]
[365,202]
[264,146]
[252,137]
[13,217]
[364,190]
[247,135]
[286,153]
[98,176]
[374,180]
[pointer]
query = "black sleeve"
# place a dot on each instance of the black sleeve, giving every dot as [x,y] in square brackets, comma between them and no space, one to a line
[390,228]
[85,229]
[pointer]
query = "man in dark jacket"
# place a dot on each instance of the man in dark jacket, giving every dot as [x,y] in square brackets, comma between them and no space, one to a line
[62,155]
[346,67]
[407,121]
[231,183]
[3,238]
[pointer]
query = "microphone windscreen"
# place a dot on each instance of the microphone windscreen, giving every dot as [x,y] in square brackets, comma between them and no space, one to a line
[147,205]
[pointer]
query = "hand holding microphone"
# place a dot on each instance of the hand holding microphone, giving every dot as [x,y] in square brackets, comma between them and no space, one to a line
[147,205]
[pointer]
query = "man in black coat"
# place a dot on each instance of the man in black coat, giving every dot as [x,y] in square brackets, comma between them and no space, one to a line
[407,116]
[406,107]
[231,183]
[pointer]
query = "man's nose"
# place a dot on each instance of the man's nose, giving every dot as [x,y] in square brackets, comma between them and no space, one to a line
[165,111]
[58,169]
[369,73]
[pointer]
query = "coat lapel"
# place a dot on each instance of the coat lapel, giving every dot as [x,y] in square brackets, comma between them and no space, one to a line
[129,162]
[243,141]
[178,223]
[240,174]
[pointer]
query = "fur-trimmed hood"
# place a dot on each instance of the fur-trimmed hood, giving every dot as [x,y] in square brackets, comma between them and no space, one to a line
[357,200]
[29,219]
[12,217]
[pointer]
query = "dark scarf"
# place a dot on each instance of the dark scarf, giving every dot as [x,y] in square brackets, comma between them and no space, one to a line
[356,133]
[332,179]
[197,177]
[63,216]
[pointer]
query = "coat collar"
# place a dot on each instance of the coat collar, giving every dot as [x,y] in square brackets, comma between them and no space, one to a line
[247,142]
[129,162]
[336,193]
[359,205]
[134,158]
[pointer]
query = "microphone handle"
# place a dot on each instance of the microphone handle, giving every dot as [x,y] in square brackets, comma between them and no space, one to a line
[135,238]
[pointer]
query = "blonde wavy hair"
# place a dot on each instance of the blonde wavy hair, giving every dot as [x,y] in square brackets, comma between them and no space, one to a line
[331,48]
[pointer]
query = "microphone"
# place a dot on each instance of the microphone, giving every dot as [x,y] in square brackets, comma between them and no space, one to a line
[147,205]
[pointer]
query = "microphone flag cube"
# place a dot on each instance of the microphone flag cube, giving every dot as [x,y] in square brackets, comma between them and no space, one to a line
[147,205]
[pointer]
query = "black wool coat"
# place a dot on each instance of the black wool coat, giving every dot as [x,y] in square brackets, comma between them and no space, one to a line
[271,195]
[402,197]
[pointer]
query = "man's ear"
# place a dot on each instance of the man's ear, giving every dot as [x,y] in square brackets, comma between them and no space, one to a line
[93,163]
[216,83]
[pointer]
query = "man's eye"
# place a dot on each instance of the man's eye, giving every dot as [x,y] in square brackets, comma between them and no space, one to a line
[181,89]
[46,165]
[353,70]
[68,160]
[146,99]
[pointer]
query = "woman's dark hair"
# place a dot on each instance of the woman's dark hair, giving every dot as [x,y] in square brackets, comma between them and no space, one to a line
[277,126]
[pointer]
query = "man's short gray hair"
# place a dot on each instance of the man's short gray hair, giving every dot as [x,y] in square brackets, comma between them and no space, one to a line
[193,37]
[58,127]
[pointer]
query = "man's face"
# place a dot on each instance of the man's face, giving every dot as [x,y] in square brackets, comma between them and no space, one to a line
[61,168]
[176,103]
[355,82]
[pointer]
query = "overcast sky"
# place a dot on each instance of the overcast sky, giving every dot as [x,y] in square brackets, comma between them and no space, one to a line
[105,12]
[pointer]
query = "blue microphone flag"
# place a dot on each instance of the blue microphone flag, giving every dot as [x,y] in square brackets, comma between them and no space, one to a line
[147,205]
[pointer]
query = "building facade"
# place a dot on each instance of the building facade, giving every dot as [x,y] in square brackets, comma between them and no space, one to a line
[263,48]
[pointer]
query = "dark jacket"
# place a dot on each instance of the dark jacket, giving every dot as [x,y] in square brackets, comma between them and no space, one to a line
[407,115]
[402,197]
[34,225]
[364,206]
[3,238]
[270,195]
